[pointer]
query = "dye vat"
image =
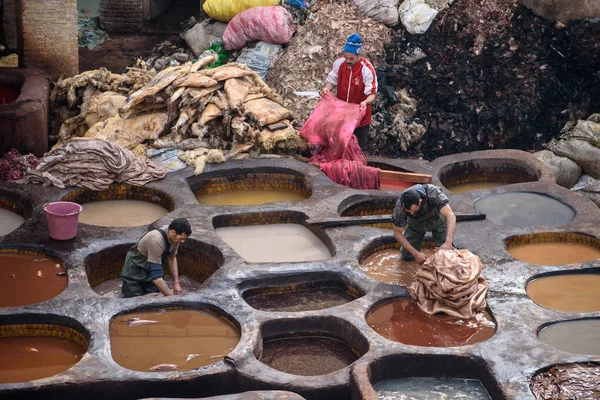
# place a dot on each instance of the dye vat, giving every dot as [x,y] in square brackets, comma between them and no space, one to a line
[524,209]
[307,355]
[387,266]
[112,287]
[555,253]
[567,381]
[431,389]
[577,337]
[274,243]
[181,339]
[9,221]
[468,187]
[121,213]
[28,278]
[402,321]
[301,297]
[248,197]
[566,292]
[9,93]
[27,358]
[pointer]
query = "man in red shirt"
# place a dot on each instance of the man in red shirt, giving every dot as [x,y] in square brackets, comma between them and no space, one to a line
[356,83]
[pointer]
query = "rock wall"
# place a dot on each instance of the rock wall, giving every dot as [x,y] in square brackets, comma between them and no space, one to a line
[122,15]
[9,22]
[564,10]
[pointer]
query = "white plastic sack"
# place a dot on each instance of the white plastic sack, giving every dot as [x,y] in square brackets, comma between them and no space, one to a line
[416,16]
[589,187]
[259,58]
[203,35]
[384,11]
[565,170]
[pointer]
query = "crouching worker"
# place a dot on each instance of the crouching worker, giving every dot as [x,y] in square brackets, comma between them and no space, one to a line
[422,209]
[142,272]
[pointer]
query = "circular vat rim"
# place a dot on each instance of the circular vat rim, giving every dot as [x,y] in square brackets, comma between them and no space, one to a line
[273,283]
[271,218]
[368,373]
[566,321]
[328,325]
[215,256]
[357,200]
[539,371]
[35,250]
[196,182]
[47,319]
[513,241]
[534,173]
[121,191]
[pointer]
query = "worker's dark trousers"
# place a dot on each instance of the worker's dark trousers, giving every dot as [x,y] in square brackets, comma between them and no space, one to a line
[415,231]
[362,134]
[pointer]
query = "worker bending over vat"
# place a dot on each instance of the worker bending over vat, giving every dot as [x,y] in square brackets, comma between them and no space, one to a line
[142,271]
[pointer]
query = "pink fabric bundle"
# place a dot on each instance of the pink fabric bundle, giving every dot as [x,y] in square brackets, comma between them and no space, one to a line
[270,24]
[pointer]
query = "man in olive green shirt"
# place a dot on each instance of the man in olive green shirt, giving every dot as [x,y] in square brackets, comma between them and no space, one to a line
[142,271]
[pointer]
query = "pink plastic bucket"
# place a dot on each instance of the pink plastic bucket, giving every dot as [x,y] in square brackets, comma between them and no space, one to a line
[63,218]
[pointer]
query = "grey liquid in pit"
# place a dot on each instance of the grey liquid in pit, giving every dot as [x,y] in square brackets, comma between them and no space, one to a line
[112,287]
[121,213]
[274,243]
[431,389]
[304,299]
[577,337]
[9,221]
[524,209]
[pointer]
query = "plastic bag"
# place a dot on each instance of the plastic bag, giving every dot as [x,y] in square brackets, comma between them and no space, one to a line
[225,10]
[269,24]
[203,35]
[259,58]
[384,11]
[416,16]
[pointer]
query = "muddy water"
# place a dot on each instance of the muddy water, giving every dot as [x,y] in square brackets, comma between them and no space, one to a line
[121,213]
[570,292]
[387,266]
[557,253]
[305,299]
[524,209]
[248,197]
[188,339]
[9,221]
[402,321]
[24,359]
[112,287]
[467,187]
[578,337]
[274,243]
[307,356]
[28,279]
[431,389]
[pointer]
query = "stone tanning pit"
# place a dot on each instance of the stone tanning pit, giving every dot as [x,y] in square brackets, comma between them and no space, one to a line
[427,376]
[172,339]
[570,291]
[29,276]
[398,320]
[573,381]
[364,205]
[197,261]
[14,210]
[554,248]
[381,260]
[580,336]
[524,209]
[121,205]
[485,173]
[274,237]
[299,293]
[310,346]
[241,187]
[35,346]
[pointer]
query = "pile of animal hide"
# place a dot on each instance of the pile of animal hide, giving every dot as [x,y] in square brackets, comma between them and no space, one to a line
[211,114]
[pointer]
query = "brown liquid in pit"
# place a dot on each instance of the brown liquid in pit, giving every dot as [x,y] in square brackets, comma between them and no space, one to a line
[402,321]
[387,266]
[467,187]
[569,292]
[578,337]
[187,338]
[248,197]
[308,355]
[555,253]
[27,358]
[121,213]
[112,287]
[29,279]
[305,299]
[9,221]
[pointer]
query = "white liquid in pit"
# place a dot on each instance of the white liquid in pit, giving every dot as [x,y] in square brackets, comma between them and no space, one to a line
[274,243]
[121,213]
[9,221]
